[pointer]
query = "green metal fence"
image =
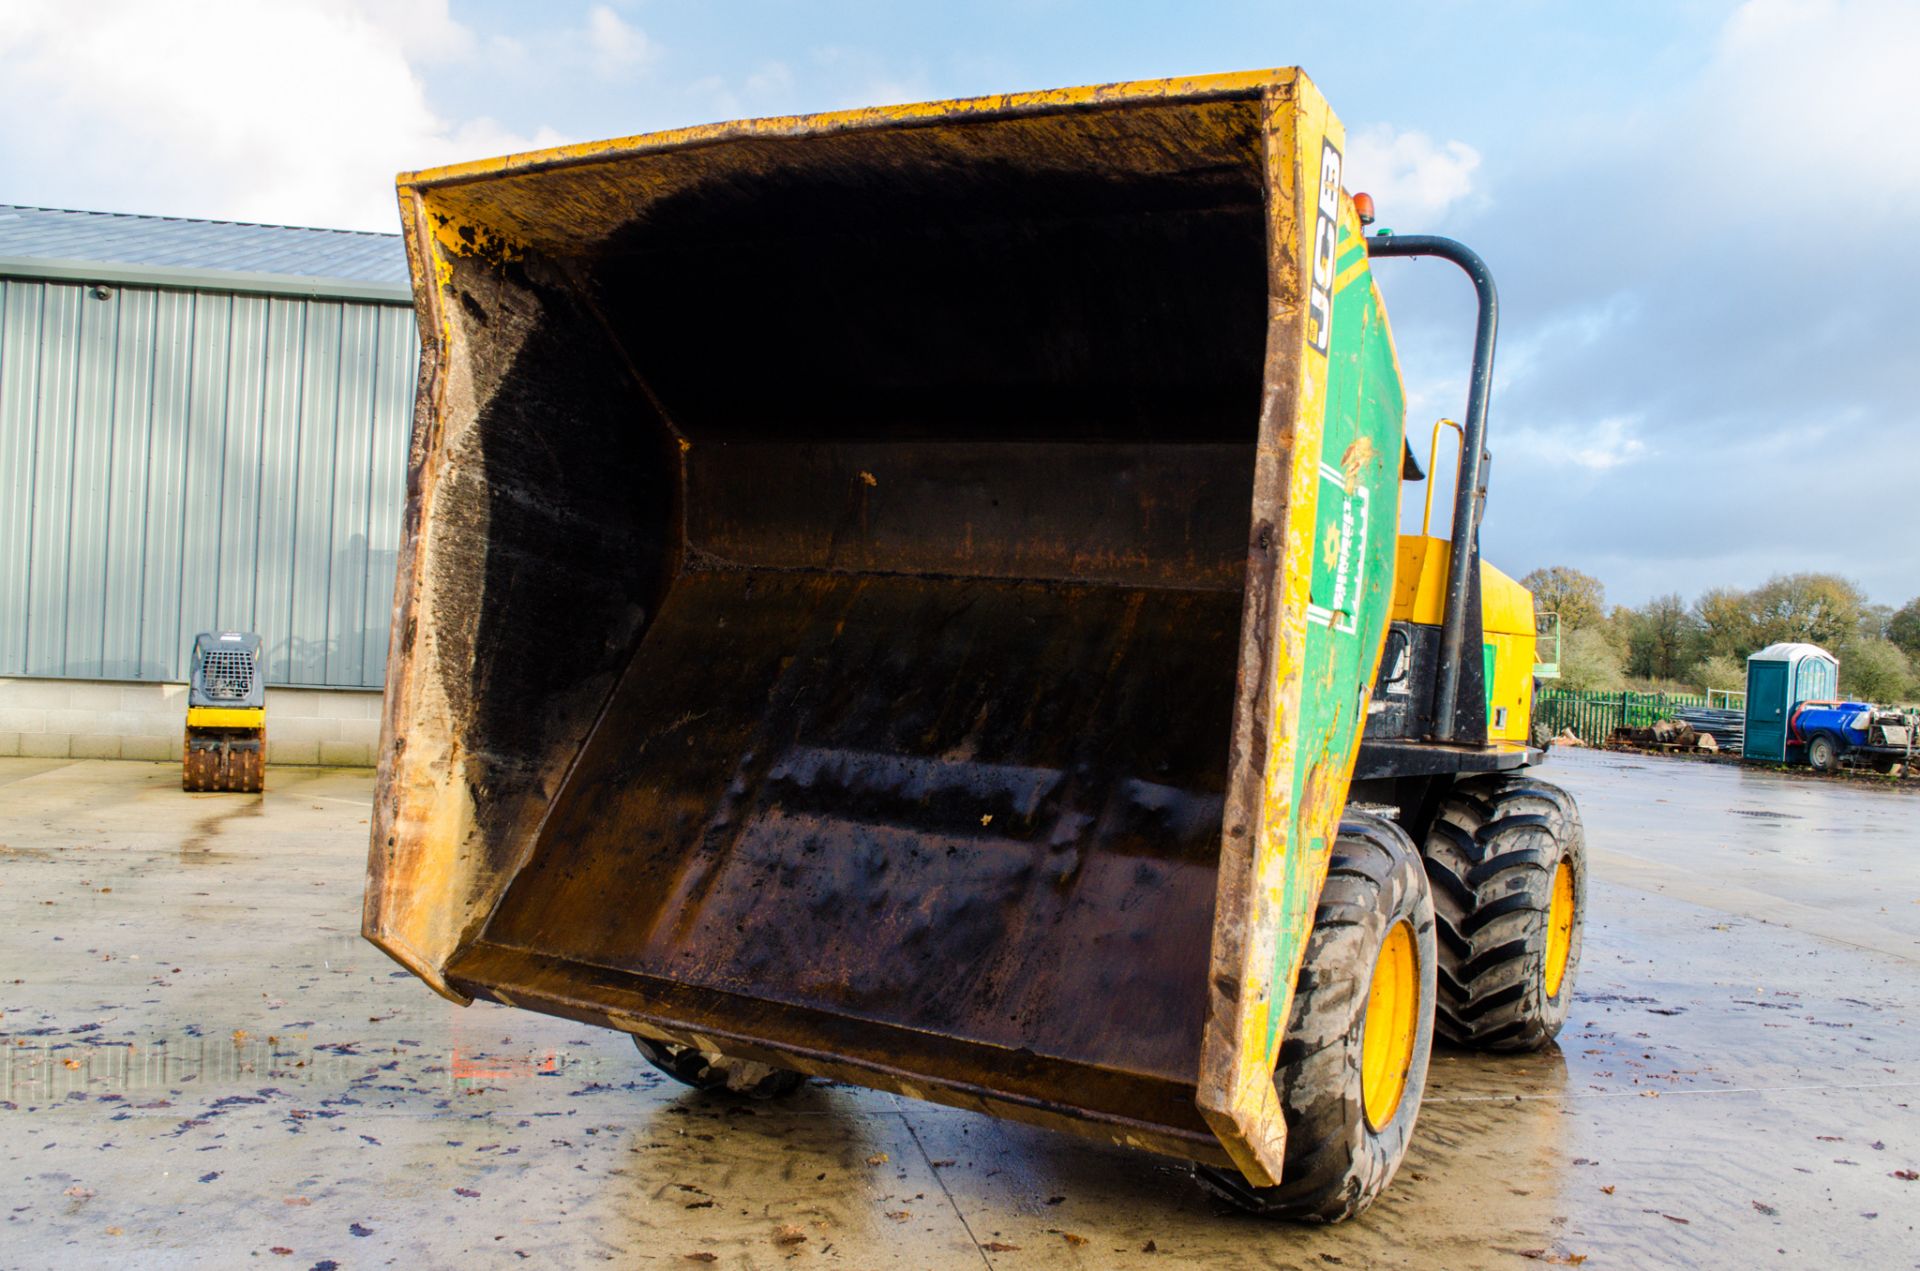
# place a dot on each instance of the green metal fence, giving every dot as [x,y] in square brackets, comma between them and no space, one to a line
[1594,716]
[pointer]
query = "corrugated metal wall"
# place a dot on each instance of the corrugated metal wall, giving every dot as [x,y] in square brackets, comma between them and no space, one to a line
[175,461]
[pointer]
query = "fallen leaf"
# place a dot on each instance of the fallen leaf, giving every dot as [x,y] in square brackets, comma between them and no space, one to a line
[296,1200]
[1608,1189]
[465,1191]
[78,1192]
[1149,1247]
[1070,1238]
[240,1035]
[940,1164]
[282,1250]
[702,1256]
[1684,1222]
[900,1215]
[114,1231]
[1906,1175]
[699,1204]
[878,1158]
[1000,1246]
[71,1063]
[1764,1208]
[790,1234]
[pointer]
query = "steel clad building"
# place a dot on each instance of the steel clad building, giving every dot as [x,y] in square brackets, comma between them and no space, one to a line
[202,425]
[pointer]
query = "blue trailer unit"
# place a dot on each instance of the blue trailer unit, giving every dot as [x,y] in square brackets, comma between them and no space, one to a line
[1832,734]
[1779,678]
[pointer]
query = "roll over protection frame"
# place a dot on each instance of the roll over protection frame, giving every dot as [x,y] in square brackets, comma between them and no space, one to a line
[1469,491]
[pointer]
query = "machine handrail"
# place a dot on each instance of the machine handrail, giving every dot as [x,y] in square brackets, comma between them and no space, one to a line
[1469,489]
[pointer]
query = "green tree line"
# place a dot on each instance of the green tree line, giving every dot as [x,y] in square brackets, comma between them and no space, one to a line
[1671,644]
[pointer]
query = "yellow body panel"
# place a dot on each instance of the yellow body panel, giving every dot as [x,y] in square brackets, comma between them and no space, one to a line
[1236,1092]
[1506,614]
[226,717]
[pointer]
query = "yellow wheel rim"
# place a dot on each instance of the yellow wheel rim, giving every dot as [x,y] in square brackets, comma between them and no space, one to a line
[1393,1013]
[1559,928]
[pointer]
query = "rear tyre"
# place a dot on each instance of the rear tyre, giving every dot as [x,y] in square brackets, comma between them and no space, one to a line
[1353,1066]
[712,1072]
[1508,863]
[1823,754]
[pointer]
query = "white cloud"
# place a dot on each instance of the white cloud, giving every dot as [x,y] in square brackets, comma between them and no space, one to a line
[766,90]
[1598,445]
[1572,334]
[863,78]
[616,46]
[298,111]
[1807,106]
[1413,179]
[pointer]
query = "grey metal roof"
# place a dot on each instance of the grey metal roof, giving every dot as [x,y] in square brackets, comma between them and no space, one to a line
[45,242]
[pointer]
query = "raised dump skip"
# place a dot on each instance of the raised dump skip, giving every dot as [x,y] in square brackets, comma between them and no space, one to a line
[846,595]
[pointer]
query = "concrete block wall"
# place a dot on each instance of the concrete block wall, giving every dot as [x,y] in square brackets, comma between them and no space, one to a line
[91,719]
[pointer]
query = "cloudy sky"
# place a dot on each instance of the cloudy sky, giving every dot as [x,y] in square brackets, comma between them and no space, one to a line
[1694,207]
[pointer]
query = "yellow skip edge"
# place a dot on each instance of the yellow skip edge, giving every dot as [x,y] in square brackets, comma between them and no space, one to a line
[780,125]
[1237,1096]
[226,717]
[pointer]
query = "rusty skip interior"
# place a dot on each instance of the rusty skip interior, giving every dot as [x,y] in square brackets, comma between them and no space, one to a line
[833,595]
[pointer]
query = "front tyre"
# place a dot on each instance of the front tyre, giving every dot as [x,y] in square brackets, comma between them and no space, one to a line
[1508,861]
[1353,1065]
[711,1072]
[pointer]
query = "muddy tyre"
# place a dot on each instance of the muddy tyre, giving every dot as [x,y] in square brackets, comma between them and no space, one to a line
[715,1073]
[1353,1066]
[1823,753]
[1507,860]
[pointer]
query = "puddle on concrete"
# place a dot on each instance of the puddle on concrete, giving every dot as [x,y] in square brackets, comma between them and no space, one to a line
[216,1070]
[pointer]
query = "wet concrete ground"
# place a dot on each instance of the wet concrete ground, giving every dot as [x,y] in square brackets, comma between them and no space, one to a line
[201,1063]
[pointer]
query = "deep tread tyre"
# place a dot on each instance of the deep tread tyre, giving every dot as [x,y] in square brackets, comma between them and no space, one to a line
[1492,857]
[1337,1162]
[716,1073]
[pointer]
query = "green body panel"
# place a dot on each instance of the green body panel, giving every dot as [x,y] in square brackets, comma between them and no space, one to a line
[1356,535]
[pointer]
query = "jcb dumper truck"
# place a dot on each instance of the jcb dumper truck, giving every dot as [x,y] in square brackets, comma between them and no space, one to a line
[914,596]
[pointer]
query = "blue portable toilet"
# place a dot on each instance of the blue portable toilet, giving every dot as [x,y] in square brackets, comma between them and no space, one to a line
[1779,678]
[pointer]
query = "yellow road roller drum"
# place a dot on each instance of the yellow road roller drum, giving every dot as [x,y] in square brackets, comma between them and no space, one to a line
[225,748]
